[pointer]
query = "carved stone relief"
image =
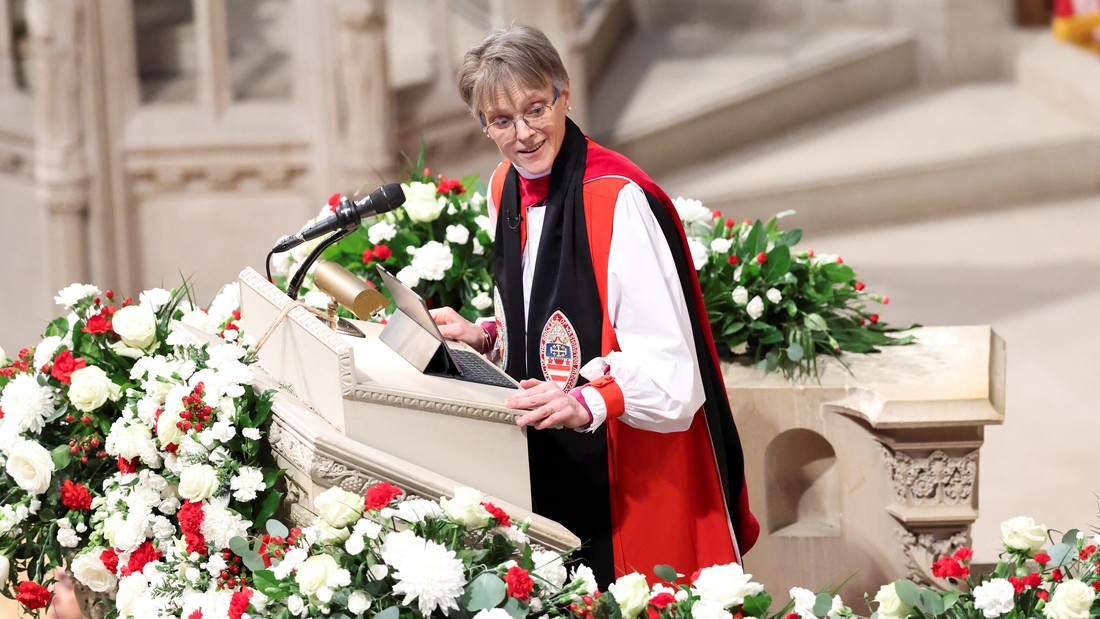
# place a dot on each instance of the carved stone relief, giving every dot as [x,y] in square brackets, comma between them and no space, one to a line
[920,549]
[938,479]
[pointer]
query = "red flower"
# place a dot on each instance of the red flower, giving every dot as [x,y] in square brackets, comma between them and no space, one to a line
[64,365]
[197,614]
[662,599]
[1017,584]
[450,186]
[190,517]
[949,567]
[127,466]
[382,252]
[33,595]
[715,214]
[239,603]
[791,616]
[97,324]
[730,223]
[1034,579]
[964,554]
[502,517]
[519,583]
[873,318]
[333,201]
[1043,595]
[75,496]
[761,257]
[379,495]
[368,256]
[1042,558]
[886,300]
[652,613]
[145,553]
[860,286]
[733,260]
[1087,551]
[110,560]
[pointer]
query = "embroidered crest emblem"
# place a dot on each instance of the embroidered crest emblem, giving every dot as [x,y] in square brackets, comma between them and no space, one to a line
[560,351]
[501,348]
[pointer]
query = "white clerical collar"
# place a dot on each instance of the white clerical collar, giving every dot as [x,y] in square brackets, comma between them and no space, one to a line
[529,176]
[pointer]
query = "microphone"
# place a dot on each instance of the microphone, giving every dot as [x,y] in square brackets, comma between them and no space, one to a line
[347,215]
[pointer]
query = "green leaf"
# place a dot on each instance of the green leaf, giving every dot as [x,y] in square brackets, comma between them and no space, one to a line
[1070,537]
[931,602]
[393,612]
[276,528]
[779,262]
[816,322]
[486,591]
[823,603]
[267,584]
[1061,554]
[665,572]
[516,608]
[269,506]
[838,272]
[795,352]
[239,546]
[907,592]
[757,605]
[61,456]
[950,598]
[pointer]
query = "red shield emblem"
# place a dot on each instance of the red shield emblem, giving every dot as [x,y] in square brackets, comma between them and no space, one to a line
[560,351]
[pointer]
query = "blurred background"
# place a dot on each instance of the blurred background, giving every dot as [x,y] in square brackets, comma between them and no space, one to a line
[949,150]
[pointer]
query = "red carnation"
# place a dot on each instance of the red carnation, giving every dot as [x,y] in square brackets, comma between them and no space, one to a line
[145,553]
[382,252]
[1034,579]
[75,496]
[964,554]
[239,603]
[860,286]
[453,186]
[110,560]
[334,200]
[761,257]
[197,614]
[127,466]
[368,256]
[1042,558]
[65,364]
[791,616]
[1044,595]
[948,567]
[730,223]
[190,517]
[1017,584]
[379,495]
[873,318]
[33,595]
[502,517]
[662,599]
[1087,551]
[519,583]
[97,324]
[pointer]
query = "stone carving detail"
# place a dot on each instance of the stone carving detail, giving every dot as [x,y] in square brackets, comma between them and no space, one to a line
[433,406]
[920,549]
[938,479]
[290,446]
[164,177]
[339,474]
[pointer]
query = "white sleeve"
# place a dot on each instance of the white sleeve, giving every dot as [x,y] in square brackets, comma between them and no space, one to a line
[656,367]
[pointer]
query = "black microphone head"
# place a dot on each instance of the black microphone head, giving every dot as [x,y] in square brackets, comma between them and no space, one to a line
[381,200]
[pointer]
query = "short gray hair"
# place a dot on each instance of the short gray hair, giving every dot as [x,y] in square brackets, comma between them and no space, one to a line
[509,57]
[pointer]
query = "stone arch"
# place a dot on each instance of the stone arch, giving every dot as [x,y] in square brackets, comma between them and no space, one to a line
[802,485]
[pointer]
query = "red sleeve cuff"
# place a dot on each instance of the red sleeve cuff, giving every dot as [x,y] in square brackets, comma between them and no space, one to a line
[611,393]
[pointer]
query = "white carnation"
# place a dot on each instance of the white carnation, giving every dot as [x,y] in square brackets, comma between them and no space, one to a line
[994,598]
[44,352]
[458,234]
[155,298]
[432,261]
[316,298]
[549,569]
[720,245]
[804,601]
[68,538]
[409,276]
[247,483]
[692,211]
[381,232]
[482,301]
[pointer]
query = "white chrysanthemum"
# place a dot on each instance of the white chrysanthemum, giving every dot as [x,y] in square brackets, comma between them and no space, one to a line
[432,575]
[692,211]
[44,352]
[583,574]
[549,569]
[418,510]
[458,234]
[155,298]
[432,261]
[698,253]
[247,483]
[74,293]
[26,404]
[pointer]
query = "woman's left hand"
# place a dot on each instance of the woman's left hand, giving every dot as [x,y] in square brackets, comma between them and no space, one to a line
[550,406]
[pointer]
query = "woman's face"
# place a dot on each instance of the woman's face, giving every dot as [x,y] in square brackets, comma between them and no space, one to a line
[532,144]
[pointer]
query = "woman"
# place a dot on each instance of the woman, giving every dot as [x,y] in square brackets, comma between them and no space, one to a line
[594,283]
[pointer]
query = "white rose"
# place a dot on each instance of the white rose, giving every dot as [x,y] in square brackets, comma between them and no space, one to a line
[198,482]
[315,573]
[994,598]
[725,585]
[136,325]
[358,602]
[698,254]
[295,605]
[30,466]
[709,610]
[1072,599]
[5,565]
[381,232]
[89,569]
[167,429]
[421,202]
[774,295]
[90,388]
[890,605]
[1021,533]
[632,594]
[720,245]
[338,507]
[458,234]
[740,295]
[466,508]
[755,308]
[482,301]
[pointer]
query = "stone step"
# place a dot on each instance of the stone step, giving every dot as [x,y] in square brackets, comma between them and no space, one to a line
[678,96]
[964,148]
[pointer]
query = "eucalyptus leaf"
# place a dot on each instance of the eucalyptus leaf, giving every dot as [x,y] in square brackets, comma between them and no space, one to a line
[931,602]
[795,352]
[486,591]
[515,608]
[908,592]
[1061,554]
[823,603]
[1070,537]
[276,528]
[665,572]
[393,612]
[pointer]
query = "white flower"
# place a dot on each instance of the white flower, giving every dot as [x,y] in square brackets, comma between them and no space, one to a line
[994,598]
[1072,599]
[198,482]
[89,570]
[3,356]
[409,276]
[703,609]
[432,260]
[129,440]
[421,202]
[482,301]
[5,565]
[355,544]
[458,234]
[290,562]
[168,430]
[485,224]
[418,510]
[890,605]
[316,298]
[698,253]
[737,273]
[584,574]
[43,353]
[315,573]
[478,249]
[90,388]
[755,308]
[631,592]
[725,585]
[130,590]
[295,605]
[804,601]
[74,293]
[154,298]
[549,568]
[338,508]
[367,528]
[836,608]
[493,613]
[247,483]
[30,466]
[379,571]
[359,601]
[1021,533]
[720,245]
[774,295]
[252,434]
[136,325]
[68,538]
[26,404]
[466,508]
[740,295]
[692,211]
[430,574]
[381,232]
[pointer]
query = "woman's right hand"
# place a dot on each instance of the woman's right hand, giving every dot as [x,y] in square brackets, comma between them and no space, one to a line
[454,327]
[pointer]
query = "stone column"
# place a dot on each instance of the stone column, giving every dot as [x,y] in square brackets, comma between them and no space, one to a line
[58,31]
[370,117]
[212,45]
[958,40]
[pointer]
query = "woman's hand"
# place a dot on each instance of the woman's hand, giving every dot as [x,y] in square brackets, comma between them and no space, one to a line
[454,327]
[550,406]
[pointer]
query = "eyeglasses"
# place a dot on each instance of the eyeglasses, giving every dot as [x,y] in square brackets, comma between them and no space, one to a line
[536,118]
